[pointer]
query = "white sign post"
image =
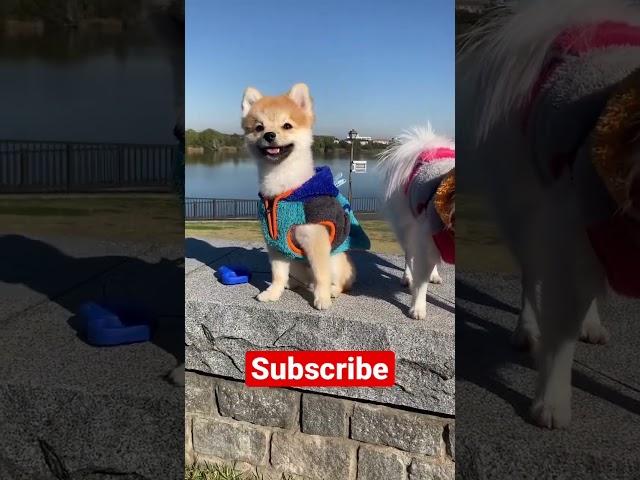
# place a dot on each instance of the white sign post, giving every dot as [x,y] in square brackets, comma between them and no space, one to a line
[359,166]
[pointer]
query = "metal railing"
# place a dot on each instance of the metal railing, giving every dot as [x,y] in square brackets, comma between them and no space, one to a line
[220,208]
[216,208]
[365,204]
[53,167]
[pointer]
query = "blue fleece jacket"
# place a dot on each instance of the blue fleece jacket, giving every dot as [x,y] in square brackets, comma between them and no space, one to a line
[316,201]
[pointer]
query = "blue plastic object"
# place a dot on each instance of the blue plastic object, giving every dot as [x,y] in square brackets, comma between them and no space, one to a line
[116,325]
[233,274]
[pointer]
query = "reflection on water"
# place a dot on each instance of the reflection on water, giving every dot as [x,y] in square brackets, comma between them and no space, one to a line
[90,84]
[217,175]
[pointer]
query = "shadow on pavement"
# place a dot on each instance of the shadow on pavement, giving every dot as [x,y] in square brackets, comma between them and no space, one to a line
[207,254]
[487,347]
[70,281]
[372,271]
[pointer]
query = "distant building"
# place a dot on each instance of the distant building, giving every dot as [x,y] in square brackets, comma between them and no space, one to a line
[363,140]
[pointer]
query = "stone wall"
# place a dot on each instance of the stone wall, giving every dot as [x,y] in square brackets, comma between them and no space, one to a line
[404,432]
[310,435]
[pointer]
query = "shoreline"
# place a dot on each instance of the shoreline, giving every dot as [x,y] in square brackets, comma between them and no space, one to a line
[16,26]
[198,150]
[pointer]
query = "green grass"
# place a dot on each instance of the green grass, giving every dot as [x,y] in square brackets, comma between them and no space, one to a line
[114,217]
[207,471]
[51,211]
[479,244]
[382,238]
[159,217]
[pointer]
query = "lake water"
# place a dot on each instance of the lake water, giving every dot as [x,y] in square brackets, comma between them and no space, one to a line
[91,85]
[236,176]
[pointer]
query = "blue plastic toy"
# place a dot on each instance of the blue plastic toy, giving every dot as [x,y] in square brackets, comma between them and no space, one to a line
[233,274]
[115,325]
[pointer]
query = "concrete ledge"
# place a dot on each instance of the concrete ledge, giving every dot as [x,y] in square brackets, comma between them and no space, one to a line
[223,322]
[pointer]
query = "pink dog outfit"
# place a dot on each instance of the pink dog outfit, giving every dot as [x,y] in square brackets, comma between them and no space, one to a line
[575,118]
[431,167]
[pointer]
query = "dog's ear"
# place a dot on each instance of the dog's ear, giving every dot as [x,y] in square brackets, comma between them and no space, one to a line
[299,93]
[251,96]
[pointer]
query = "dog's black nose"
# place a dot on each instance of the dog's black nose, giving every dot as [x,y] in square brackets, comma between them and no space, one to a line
[269,136]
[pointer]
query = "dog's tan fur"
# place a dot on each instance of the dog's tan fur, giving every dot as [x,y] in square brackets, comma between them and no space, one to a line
[275,111]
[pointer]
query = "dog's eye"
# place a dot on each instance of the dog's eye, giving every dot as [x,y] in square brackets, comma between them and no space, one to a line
[287,126]
[259,128]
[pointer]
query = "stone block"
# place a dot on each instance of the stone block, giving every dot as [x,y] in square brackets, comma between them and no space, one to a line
[273,407]
[450,439]
[315,457]
[327,416]
[248,471]
[421,469]
[199,394]
[230,440]
[408,431]
[188,444]
[377,463]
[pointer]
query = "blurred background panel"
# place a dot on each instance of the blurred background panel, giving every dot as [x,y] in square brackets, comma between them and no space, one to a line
[91,182]
[496,434]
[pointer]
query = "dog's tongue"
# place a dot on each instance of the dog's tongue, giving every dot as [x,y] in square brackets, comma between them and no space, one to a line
[273,151]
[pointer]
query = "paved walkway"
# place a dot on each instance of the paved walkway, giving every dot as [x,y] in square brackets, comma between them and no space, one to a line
[495,385]
[94,407]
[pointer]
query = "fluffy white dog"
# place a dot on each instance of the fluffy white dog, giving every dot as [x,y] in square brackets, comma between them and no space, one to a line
[550,94]
[419,174]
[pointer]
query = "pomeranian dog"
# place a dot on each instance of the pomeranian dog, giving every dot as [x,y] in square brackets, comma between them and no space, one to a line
[306,223]
[550,93]
[419,171]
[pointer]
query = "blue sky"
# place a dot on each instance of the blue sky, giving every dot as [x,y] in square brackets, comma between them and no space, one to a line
[378,66]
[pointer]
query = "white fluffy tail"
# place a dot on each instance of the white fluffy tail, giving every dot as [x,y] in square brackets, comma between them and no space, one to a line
[398,160]
[501,59]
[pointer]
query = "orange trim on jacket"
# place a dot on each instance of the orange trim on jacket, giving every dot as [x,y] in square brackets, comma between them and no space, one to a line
[272,212]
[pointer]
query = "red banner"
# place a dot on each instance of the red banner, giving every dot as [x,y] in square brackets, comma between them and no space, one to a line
[275,368]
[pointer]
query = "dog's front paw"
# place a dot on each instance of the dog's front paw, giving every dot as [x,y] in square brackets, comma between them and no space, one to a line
[418,312]
[322,301]
[335,291]
[269,295]
[594,332]
[555,413]
[177,375]
[526,336]
[435,278]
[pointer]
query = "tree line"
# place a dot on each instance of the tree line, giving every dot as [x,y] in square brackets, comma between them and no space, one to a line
[68,11]
[211,140]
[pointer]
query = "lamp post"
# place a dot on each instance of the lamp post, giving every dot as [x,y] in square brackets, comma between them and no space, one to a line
[352,136]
